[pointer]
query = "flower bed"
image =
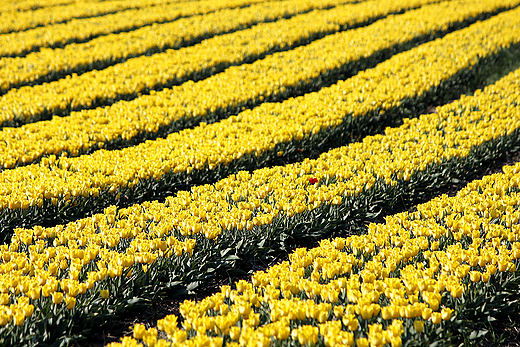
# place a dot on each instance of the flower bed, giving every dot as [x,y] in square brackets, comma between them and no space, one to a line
[84,29]
[71,187]
[424,277]
[12,19]
[128,123]
[55,278]
[144,73]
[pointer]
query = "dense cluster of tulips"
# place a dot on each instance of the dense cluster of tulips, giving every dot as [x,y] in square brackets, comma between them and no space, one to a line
[142,73]
[49,64]
[400,280]
[234,88]
[63,263]
[232,114]
[259,130]
[33,4]
[12,19]
[82,29]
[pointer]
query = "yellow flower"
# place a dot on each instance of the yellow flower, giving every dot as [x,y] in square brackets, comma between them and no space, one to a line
[418,325]
[436,317]
[139,331]
[104,293]
[34,293]
[179,337]
[474,276]
[456,291]
[503,265]
[47,290]
[234,332]
[362,342]
[323,316]
[4,299]
[446,313]
[57,297]
[70,302]
[283,332]
[18,318]
[4,319]
[28,309]
[306,335]
[150,337]
[396,341]
[375,335]
[386,313]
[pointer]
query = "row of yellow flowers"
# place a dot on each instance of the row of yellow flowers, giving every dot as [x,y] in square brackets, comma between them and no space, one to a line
[28,5]
[143,73]
[234,88]
[68,264]
[414,271]
[15,20]
[82,29]
[106,50]
[253,133]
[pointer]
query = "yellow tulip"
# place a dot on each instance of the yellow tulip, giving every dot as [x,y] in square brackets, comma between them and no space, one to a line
[139,331]
[436,317]
[18,318]
[57,297]
[474,276]
[419,325]
[70,302]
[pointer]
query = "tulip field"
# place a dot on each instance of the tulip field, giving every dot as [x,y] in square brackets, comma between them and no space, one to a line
[154,149]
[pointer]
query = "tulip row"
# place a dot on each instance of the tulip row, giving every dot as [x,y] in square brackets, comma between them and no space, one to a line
[397,283]
[152,116]
[28,5]
[142,74]
[81,30]
[68,187]
[50,64]
[145,248]
[14,20]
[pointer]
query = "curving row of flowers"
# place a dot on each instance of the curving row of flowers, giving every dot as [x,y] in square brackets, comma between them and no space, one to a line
[28,5]
[14,20]
[96,265]
[103,51]
[238,87]
[398,283]
[144,73]
[84,29]
[61,185]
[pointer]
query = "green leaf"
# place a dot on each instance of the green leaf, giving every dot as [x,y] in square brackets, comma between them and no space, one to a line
[225,252]
[477,334]
[192,286]
[134,300]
